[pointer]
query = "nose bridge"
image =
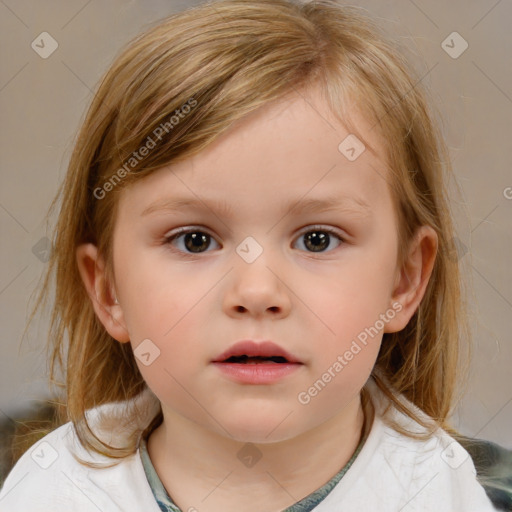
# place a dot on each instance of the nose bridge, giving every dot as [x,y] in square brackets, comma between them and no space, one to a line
[256,285]
[254,260]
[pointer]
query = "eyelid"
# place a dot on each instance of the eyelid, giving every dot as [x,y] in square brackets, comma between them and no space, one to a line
[187,229]
[305,229]
[322,227]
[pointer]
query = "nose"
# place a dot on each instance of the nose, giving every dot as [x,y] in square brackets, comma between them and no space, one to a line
[257,289]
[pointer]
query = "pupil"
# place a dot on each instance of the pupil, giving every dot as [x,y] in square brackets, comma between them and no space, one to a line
[197,241]
[319,240]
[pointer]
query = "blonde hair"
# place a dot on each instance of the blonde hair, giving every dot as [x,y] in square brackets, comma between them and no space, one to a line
[224,60]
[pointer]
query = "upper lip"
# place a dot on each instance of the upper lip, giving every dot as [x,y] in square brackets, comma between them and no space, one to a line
[255,349]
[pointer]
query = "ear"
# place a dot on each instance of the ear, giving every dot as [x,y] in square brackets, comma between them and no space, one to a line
[412,279]
[92,272]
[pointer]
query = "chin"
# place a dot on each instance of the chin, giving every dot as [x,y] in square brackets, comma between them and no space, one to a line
[260,429]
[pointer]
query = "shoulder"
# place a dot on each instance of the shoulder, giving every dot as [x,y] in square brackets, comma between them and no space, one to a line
[50,476]
[394,471]
[48,468]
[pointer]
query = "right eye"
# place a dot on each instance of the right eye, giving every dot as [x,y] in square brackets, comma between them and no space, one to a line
[194,241]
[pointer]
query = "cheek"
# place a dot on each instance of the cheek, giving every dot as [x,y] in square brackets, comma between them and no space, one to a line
[352,300]
[165,305]
[157,296]
[338,382]
[348,319]
[179,354]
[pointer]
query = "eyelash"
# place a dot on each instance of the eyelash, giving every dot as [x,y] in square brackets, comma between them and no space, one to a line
[197,229]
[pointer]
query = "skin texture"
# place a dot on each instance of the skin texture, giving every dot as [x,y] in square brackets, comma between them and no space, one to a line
[193,306]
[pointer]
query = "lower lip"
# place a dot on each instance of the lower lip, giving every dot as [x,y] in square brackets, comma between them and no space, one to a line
[259,373]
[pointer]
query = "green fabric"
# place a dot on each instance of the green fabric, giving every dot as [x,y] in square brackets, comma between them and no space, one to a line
[493,465]
[162,498]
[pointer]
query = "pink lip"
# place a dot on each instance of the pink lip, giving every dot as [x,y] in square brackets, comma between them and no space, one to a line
[260,373]
[256,373]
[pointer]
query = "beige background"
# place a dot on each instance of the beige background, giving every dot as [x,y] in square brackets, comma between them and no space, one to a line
[43,100]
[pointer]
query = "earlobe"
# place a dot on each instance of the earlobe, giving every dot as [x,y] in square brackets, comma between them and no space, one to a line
[413,278]
[92,271]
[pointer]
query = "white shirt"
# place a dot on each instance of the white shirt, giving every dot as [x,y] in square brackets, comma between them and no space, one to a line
[391,473]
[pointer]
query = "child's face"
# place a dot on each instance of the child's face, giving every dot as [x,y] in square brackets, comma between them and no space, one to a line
[194,306]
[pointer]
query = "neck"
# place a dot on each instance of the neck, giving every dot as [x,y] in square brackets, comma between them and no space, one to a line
[204,469]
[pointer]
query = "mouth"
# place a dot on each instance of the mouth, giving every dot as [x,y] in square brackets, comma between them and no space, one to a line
[250,352]
[251,363]
[245,359]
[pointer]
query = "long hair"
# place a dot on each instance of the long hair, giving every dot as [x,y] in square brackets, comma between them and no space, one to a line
[177,87]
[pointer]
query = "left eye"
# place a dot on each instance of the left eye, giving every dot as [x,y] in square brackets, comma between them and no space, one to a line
[319,238]
[196,241]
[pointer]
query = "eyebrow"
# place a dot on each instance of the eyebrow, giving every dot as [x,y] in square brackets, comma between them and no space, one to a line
[352,204]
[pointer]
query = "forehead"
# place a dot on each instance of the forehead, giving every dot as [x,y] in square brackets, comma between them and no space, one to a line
[291,148]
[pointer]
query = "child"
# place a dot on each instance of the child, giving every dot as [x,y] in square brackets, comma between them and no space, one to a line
[257,299]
